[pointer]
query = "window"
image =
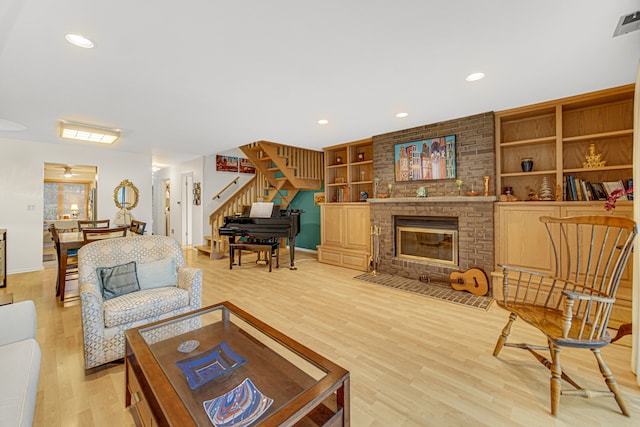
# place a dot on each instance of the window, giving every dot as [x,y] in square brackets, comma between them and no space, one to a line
[60,196]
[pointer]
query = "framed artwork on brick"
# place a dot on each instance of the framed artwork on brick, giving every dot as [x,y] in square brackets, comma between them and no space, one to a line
[426,159]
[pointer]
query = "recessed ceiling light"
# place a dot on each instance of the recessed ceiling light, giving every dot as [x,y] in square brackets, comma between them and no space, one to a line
[78,40]
[88,133]
[11,126]
[475,76]
[323,121]
[401,115]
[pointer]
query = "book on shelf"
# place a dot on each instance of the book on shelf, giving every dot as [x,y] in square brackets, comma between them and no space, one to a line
[599,191]
[576,189]
[611,186]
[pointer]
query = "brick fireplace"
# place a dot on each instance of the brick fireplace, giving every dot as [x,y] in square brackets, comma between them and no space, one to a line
[474,217]
[475,158]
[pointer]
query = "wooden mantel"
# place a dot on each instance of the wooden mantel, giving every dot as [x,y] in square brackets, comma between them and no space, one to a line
[436,199]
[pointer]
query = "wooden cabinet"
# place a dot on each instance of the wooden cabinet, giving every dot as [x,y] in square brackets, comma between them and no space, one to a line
[345,235]
[557,136]
[3,258]
[348,171]
[522,241]
[139,406]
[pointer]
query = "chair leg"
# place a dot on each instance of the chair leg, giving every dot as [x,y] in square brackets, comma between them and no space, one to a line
[505,333]
[610,380]
[556,378]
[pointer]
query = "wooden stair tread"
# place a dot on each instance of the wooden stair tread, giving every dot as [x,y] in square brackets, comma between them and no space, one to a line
[204,249]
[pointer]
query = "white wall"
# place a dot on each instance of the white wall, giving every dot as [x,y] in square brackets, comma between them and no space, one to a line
[204,171]
[215,181]
[174,174]
[22,190]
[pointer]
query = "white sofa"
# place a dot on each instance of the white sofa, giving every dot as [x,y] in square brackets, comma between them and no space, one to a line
[19,364]
[105,320]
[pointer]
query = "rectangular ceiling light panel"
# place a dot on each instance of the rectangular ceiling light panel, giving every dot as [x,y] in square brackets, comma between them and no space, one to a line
[88,133]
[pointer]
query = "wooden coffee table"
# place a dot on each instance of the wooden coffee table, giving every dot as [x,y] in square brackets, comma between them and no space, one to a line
[306,388]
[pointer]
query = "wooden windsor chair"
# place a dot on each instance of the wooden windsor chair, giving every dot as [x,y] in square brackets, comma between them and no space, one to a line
[71,269]
[99,223]
[94,234]
[137,227]
[572,307]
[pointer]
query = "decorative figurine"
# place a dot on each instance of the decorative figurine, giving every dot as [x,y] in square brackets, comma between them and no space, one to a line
[546,193]
[364,196]
[593,159]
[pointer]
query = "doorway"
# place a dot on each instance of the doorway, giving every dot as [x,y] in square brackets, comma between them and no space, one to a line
[69,195]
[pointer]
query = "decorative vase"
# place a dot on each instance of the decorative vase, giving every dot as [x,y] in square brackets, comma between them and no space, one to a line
[527,164]
[486,180]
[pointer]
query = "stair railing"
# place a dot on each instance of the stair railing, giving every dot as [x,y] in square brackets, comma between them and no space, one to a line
[217,196]
[250,192]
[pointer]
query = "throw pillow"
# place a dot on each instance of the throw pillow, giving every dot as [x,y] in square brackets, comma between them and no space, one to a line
[158,274]
[118,280]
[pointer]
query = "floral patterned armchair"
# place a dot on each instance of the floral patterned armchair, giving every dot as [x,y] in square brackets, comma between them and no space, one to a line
[105,320]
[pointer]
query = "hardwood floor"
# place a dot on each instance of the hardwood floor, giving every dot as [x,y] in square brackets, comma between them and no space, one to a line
[414,361]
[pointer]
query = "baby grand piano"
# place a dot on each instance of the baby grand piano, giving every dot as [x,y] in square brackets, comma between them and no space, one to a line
[263,221]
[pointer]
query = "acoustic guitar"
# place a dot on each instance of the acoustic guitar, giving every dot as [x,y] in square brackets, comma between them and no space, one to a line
[473,280]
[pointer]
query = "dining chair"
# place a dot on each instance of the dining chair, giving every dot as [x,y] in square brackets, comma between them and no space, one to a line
[71,270]
[572,306]
[137,226]
[100,223]
[91,235]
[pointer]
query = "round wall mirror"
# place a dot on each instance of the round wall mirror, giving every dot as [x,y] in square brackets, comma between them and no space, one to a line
[125,195]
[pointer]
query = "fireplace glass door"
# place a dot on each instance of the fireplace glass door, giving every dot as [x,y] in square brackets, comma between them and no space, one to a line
[427,244]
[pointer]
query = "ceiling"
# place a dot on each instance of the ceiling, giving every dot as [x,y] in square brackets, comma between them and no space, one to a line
[55,172]
[187,79]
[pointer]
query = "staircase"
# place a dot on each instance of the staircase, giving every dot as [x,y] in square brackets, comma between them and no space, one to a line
[281,171]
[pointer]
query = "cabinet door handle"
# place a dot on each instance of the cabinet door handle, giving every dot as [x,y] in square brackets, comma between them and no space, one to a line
[135,398]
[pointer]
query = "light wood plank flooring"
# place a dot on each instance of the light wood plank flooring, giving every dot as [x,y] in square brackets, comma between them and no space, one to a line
[414,361]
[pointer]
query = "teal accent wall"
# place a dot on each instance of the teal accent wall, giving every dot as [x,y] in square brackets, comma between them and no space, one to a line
[309,236]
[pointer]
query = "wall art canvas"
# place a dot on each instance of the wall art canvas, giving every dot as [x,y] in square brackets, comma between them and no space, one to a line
[246,166]
[226,163]
[425,160]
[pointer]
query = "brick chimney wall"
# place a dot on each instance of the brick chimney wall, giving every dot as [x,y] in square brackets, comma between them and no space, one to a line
[475,158]
[475,155]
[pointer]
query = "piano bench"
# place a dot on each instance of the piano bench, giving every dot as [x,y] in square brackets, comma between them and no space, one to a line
[269,248]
